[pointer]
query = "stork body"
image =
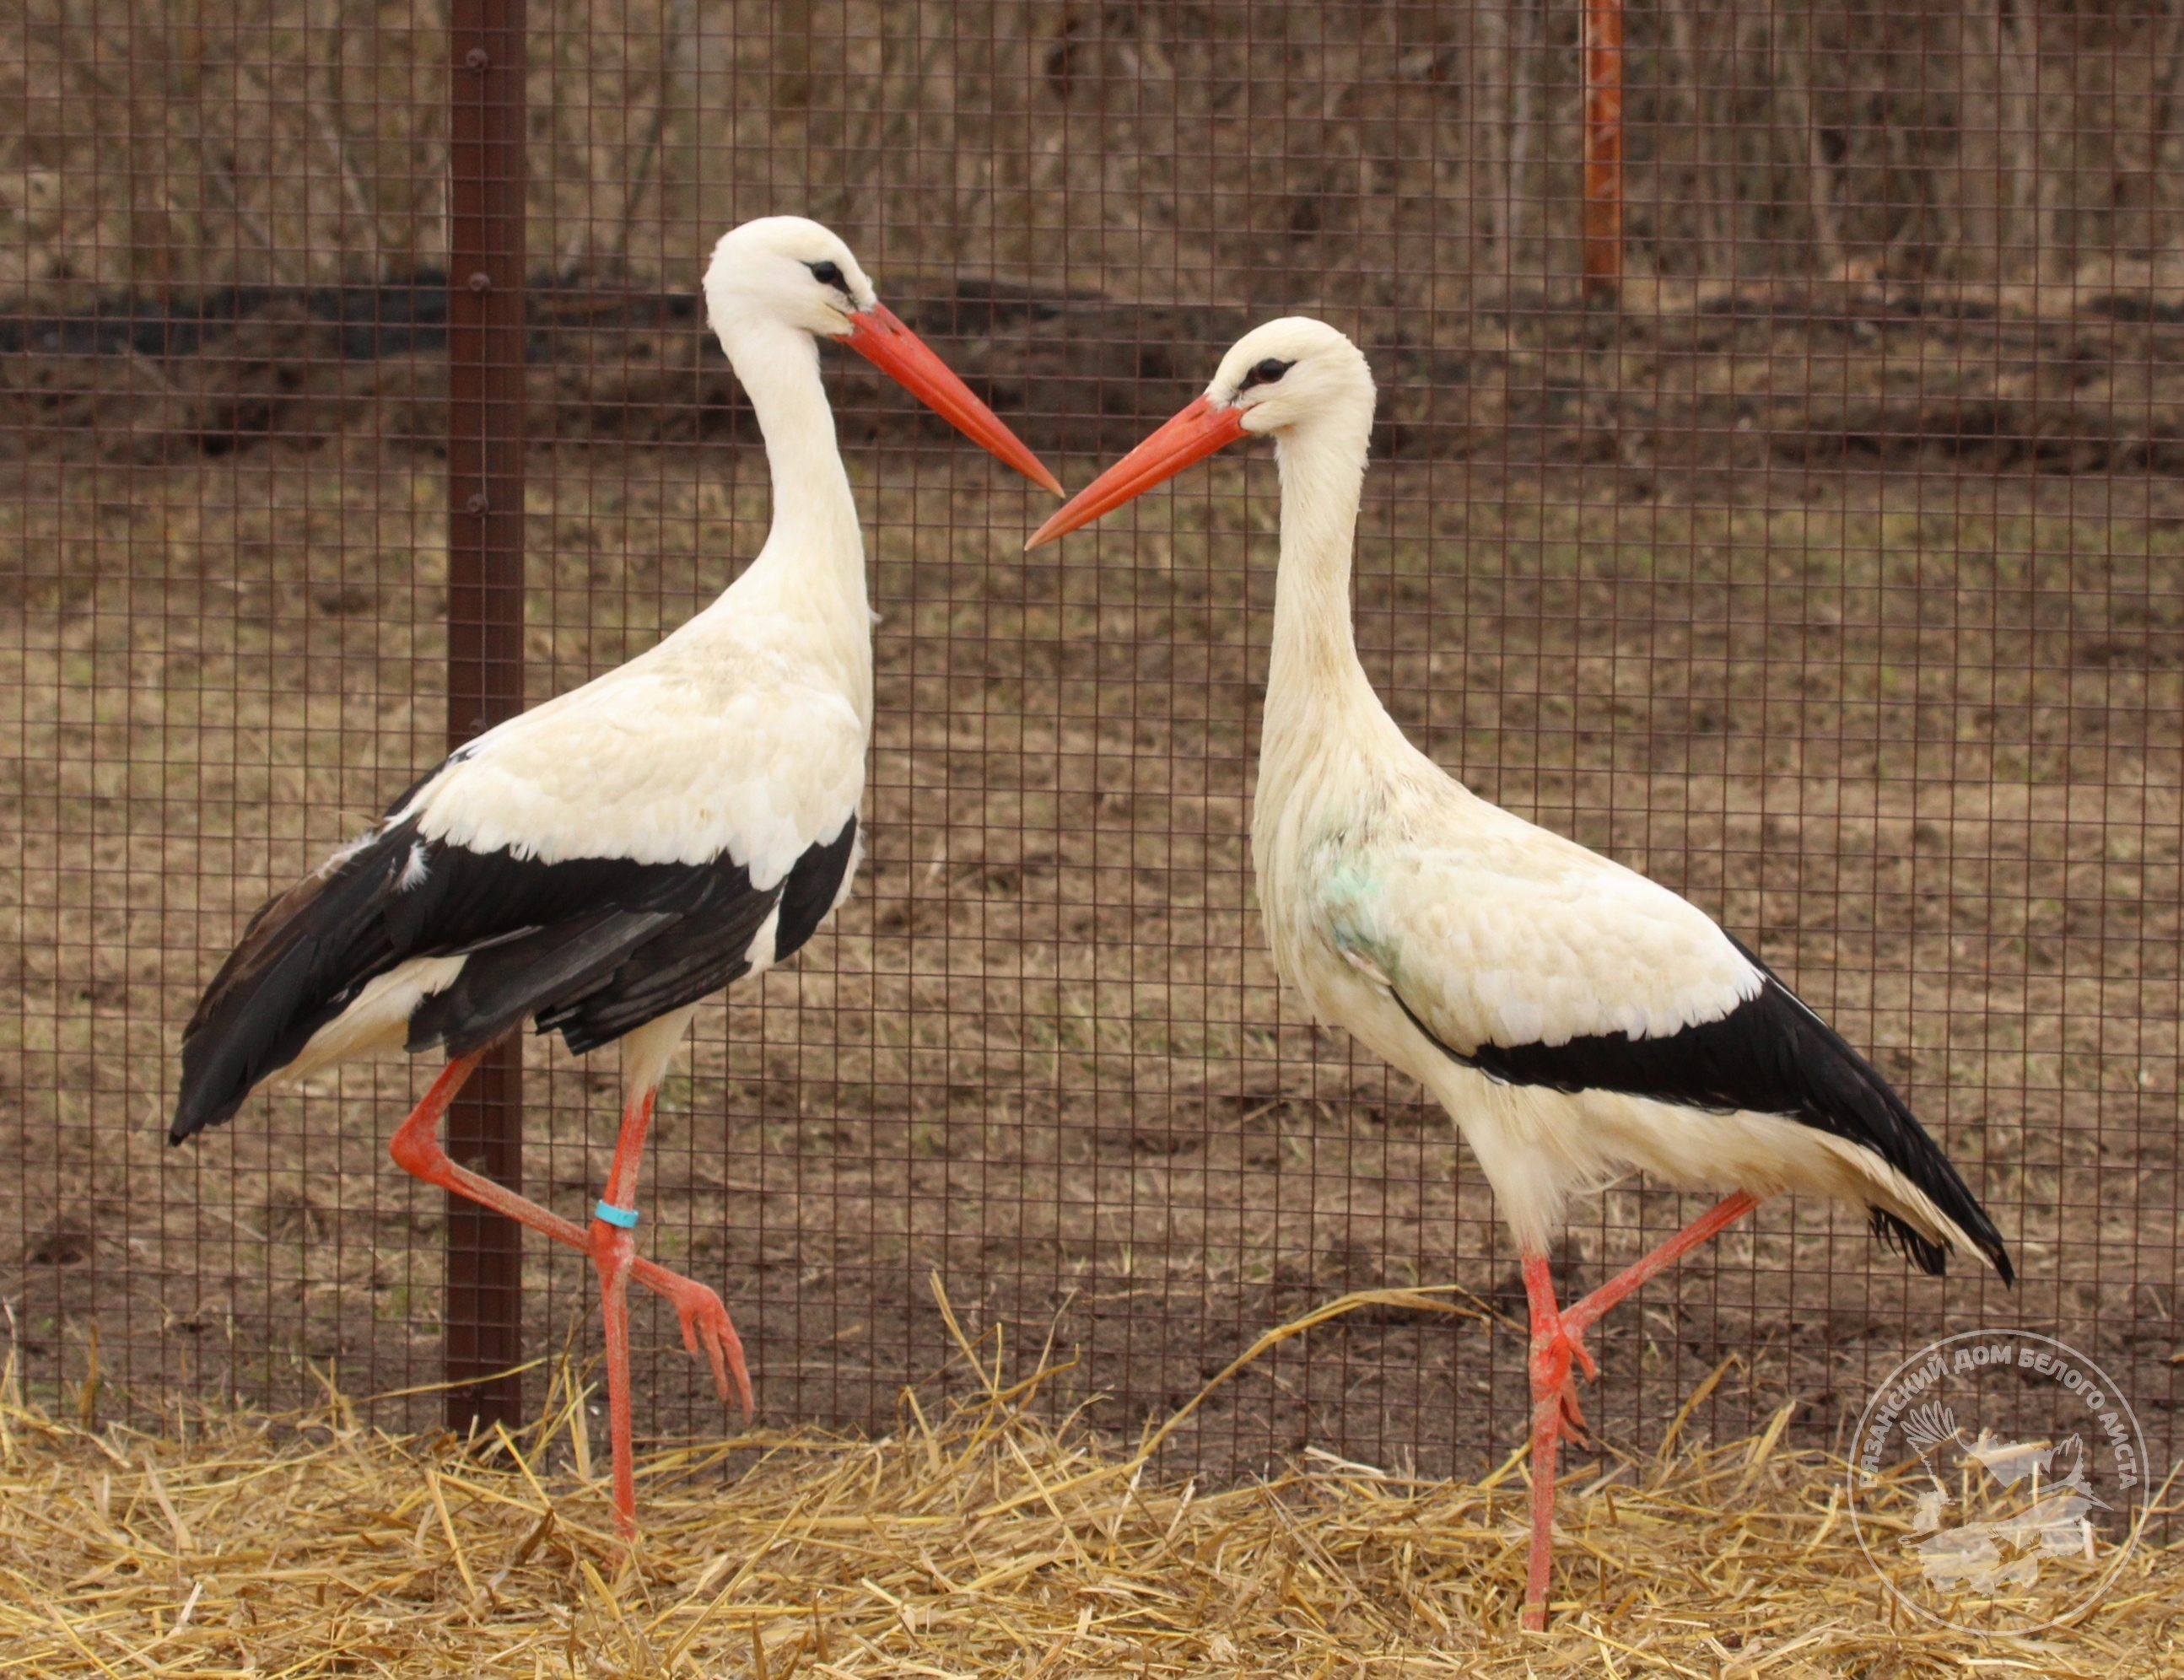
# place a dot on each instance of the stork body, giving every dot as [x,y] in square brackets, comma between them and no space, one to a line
[601,863]
[1576,1020]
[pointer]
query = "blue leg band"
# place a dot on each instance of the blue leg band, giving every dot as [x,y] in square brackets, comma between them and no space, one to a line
[624,1217]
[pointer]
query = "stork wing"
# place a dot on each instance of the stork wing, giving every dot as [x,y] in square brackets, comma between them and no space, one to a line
[1511,935]
[595,863]
[656,765]
[1539,963]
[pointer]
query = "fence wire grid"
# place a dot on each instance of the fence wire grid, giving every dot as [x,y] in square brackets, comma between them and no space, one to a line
[1824,565]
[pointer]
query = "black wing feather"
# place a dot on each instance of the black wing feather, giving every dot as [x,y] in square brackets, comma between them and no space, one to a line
[710,948]
[810,890]
[503,985]
[707,947]
[1770,1054]
[303,956]
[594,947]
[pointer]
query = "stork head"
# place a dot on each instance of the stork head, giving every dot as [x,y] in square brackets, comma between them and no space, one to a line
[1286,380]
[787,271]
[1295,371]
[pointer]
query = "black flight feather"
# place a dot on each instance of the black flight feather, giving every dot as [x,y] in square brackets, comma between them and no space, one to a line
[707,949]
[594,947]
[810,890]
[303,956]
[708,946]
[505,984]
[1770,1054]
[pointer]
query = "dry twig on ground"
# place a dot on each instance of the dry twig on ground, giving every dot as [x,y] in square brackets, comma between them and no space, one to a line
[982,1541]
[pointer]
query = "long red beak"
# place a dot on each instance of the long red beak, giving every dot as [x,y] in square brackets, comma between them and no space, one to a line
[1191,436]
[883,341]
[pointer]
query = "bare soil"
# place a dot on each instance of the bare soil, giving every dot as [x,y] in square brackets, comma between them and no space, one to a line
[1918,736]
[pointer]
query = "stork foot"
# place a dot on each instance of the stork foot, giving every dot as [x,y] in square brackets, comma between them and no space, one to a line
[1558,1354]
[707,1332]
[1556,1358]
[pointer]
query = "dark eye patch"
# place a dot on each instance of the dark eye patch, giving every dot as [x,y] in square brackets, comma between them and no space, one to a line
[1266,373]
[829,273]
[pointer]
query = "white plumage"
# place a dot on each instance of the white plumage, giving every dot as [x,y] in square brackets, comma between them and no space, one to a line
[1443,924]
[601,863]
[770,759]
[1577,1021]
[379,1020]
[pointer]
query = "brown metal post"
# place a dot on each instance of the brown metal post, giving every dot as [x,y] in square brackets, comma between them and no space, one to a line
[1603,150]
[484,1320]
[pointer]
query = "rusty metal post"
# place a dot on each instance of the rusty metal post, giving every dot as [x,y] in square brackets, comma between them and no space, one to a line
[1603,150]
[484,1310]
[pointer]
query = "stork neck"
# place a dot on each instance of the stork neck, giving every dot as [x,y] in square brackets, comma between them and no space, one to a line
[815,516]
[1314,667]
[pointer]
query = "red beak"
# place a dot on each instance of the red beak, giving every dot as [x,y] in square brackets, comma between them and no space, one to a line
[1193,435]
[883,341]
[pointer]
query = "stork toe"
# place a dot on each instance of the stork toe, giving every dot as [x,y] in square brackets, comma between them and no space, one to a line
[1556,1358]
[1573,1425]
[707,1331]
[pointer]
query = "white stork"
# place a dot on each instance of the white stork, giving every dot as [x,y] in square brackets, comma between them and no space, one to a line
[1576,1020]
[601,863]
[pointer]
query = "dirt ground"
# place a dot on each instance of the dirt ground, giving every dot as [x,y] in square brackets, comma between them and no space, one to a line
[1918,736]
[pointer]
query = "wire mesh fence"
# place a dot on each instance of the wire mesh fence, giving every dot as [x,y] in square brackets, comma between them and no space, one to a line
[1825,565]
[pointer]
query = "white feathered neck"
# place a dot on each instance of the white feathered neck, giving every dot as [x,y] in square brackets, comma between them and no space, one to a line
[813,556]
[1318,693]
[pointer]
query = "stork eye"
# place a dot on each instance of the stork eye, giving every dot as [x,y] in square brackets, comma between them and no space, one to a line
[1266,373]
[829,273]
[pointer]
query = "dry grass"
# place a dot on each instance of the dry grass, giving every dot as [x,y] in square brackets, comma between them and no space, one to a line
[979,1539]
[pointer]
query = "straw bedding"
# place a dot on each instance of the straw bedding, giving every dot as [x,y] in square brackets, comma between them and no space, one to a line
[987,1540]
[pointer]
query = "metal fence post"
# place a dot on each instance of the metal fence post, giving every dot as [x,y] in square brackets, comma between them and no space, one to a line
[1603,150]
[484,1309]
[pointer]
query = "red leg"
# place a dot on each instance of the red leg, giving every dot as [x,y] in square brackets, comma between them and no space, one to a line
[1554,1407]
[705,1327]
[416,1150]
[1557,1343]
[1583,1315]
[613,1252]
